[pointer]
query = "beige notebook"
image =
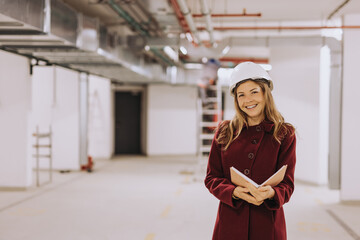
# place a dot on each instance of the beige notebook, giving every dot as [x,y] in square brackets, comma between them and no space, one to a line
[239,179]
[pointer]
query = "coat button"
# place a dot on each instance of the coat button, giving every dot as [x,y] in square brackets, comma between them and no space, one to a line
[258,128]
[254,141]
[251,155]
[246,171]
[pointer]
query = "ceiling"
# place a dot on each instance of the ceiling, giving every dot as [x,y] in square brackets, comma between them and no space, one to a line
[278,17]
[123,37]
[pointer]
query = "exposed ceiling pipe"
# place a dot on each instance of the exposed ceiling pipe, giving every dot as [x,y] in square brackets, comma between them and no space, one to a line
[235,61]
[337,9]
[230,15]
[189,19]
[161,56]
[244,14]
[179,16]
[281,28]
[205,11]
[182,20]
[149,19]
[128,18]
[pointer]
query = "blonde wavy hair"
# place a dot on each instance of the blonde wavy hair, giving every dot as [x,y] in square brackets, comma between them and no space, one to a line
[228,128]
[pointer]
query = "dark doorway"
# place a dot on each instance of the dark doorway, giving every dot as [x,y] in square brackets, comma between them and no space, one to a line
[127,122]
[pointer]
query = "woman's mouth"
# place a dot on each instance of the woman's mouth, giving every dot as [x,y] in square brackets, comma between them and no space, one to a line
[251,106]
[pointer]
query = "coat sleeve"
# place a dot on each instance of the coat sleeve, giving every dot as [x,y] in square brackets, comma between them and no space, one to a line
[218,185]
[284,190]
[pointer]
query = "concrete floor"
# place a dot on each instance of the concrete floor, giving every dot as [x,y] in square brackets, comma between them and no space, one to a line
[138,198]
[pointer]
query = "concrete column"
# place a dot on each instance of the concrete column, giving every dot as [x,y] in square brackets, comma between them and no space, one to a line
[100,116]
[350,160]
[56,102]
[15,137]
[296,76]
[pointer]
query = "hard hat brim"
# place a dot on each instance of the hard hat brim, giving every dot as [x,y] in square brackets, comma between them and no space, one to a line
[268,82]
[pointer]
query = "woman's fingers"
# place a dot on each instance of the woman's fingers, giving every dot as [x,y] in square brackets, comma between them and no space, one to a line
[264,188]
[250,199]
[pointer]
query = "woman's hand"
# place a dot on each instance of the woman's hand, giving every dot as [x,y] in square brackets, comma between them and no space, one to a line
[243,193]
[261,193]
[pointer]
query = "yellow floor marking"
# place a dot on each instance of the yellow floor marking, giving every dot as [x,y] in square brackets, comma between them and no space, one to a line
[187,179]
[318,201]
[28,212]
[150,236]
[307,190]
[312,227]
[165,213]
[178,192]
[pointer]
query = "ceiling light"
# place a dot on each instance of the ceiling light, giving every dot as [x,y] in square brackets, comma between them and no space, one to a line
[183,50]
[171,53]
[189,37]
[147,48]
[193,66]
[225,50]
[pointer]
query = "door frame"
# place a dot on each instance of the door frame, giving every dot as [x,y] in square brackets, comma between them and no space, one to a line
[143,116]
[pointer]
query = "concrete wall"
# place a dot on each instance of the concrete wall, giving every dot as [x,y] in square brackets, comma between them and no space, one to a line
[100,114]
[56,103]
[350,161]
[296,75]
[171,115]
[15,99]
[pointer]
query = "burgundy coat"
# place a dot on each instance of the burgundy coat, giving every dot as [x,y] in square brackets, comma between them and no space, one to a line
[256,153]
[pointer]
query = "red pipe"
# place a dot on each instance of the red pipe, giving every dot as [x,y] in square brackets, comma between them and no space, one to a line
[230,15]
[280,28]
[239,60]
[179,16]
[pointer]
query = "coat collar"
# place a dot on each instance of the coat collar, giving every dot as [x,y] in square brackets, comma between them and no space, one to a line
[265,125]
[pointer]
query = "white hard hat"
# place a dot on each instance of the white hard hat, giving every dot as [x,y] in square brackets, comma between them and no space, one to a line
[248,70]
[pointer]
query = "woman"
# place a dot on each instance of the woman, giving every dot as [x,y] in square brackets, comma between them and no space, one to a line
[257,142]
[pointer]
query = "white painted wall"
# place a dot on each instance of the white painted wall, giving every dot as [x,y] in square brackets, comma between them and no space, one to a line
[171,125]
[350,160]
[15,96]
[56,102]
[296,75]
[100,114]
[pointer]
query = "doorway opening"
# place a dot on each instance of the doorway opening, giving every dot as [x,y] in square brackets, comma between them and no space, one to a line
[128,122]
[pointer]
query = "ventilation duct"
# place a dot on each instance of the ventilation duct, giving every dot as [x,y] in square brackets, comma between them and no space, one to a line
[51,31]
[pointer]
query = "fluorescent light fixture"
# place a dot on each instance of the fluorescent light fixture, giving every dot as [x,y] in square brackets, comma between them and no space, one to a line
[193,66]
[183,50]
[171,53]
[182,35]
[189,37]
[225,50]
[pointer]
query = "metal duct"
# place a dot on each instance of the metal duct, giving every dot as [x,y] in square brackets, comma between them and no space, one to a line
[34,14]
[88,37]
[61,36]
[64,21]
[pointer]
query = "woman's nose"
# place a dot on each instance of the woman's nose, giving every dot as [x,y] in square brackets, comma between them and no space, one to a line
[247,98]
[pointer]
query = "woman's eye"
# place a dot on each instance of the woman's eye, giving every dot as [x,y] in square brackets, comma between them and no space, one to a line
[241,95]
[254,92]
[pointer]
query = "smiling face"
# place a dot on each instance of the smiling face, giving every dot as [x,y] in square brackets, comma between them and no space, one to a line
[251,100]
